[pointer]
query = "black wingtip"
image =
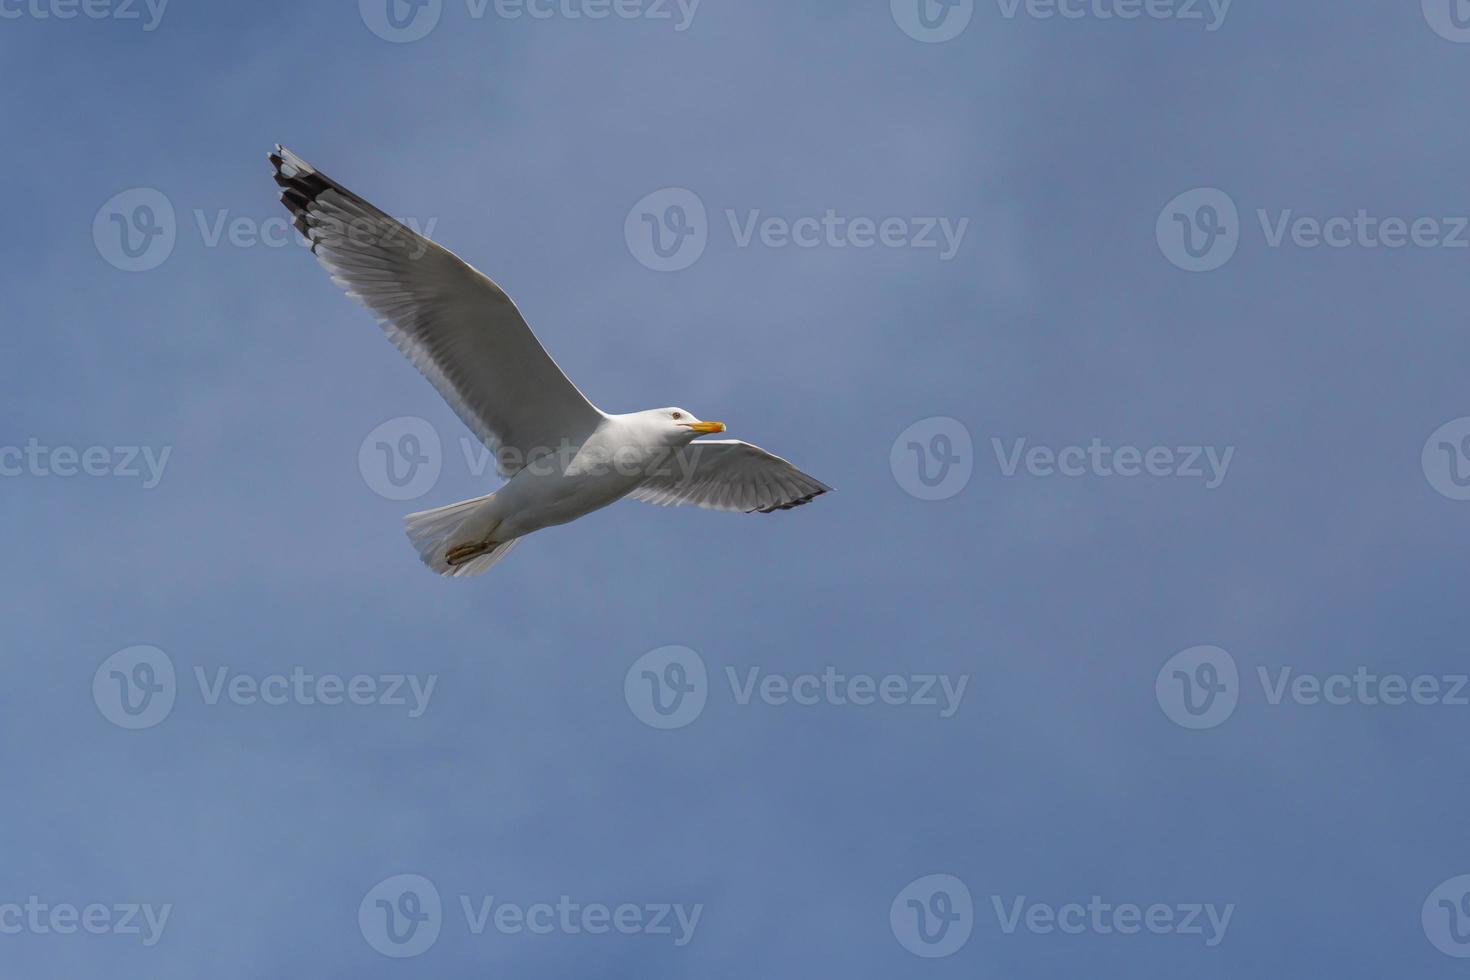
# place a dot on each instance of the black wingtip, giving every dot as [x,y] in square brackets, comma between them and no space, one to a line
[299,189]
[787,506]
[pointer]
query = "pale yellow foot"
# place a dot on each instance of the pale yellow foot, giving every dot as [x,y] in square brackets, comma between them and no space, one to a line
[460,554]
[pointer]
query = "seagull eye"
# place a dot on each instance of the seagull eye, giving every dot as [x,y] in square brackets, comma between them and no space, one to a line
[678,415]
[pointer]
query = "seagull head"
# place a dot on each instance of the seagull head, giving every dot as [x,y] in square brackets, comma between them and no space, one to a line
[679,426]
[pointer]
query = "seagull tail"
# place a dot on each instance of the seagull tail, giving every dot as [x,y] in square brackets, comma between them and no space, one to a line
[432,533]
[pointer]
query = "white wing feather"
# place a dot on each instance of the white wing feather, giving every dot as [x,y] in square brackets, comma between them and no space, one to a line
[457,326]
[727,474]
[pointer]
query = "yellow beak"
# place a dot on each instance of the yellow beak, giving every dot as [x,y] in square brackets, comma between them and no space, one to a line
[705,428]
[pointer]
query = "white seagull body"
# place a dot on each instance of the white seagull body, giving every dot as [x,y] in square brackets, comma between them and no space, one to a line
[563,457]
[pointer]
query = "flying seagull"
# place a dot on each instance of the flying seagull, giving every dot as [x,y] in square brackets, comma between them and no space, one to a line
[561,455]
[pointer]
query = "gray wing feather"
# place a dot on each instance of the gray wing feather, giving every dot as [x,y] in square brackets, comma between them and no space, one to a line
[727,474]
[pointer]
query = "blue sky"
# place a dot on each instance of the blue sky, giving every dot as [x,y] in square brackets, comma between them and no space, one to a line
[1059,343]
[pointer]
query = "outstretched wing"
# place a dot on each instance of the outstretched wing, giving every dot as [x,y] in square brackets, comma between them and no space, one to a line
[459,328]
[727,474]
